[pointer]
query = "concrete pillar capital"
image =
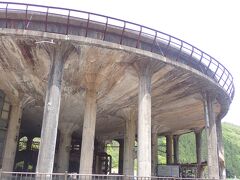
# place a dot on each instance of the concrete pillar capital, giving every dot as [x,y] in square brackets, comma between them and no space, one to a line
[128,113]
[13,95]
[57,49]
[143,68]
[208,95]
[67,127]
[198,130]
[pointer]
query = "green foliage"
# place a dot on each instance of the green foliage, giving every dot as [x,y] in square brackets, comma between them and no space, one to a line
[113,150]
[22,143]
[162,150]
[187,149]
[231,139]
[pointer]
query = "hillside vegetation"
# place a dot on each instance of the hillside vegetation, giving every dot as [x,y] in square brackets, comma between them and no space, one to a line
[231,138]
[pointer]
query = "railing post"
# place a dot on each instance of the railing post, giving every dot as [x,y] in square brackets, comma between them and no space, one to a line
[65,175]
[6,14]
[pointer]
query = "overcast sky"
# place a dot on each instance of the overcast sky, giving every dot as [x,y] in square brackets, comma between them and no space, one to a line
[211,25]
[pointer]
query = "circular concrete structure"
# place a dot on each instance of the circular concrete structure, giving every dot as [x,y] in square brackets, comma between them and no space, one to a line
[111,60]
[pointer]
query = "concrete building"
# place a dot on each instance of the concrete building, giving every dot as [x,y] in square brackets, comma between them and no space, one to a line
[76,80]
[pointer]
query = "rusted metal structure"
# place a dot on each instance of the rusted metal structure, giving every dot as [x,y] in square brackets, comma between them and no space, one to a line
[104,78]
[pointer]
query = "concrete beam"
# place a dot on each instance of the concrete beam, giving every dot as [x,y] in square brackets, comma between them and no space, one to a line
[210,126]
[12,138]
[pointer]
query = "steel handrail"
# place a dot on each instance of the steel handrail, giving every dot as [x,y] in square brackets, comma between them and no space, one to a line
[207,64]
[66,176]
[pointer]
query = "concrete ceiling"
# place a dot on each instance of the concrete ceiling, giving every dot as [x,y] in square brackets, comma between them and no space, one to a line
[176,91]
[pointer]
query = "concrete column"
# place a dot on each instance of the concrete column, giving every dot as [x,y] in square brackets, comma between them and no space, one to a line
[154,152]
[169,148]
[51,114]
[222,167]
[176,148]
[64,151]
[88,134]
[144,119]
[12,138]
[198,140]
[129,141]
[100,150]
[210,125]
[121,155]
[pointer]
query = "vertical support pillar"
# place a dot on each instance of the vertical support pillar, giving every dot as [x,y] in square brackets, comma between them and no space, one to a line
[154,150]
[88,134]
[169,153]
[210,125]
[64,151]
[121,156]
[12,137]
[222,167]
[198,140]
[176,148]
[144,119]
[100,151]
[129,141]
[51,114]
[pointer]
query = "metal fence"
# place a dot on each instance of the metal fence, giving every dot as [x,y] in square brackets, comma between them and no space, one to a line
[156,41]
[74,176]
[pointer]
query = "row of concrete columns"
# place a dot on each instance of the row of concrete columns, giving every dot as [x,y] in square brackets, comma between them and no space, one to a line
[145,142]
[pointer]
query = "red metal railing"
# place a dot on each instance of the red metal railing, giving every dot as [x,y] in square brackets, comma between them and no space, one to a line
[138,36]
